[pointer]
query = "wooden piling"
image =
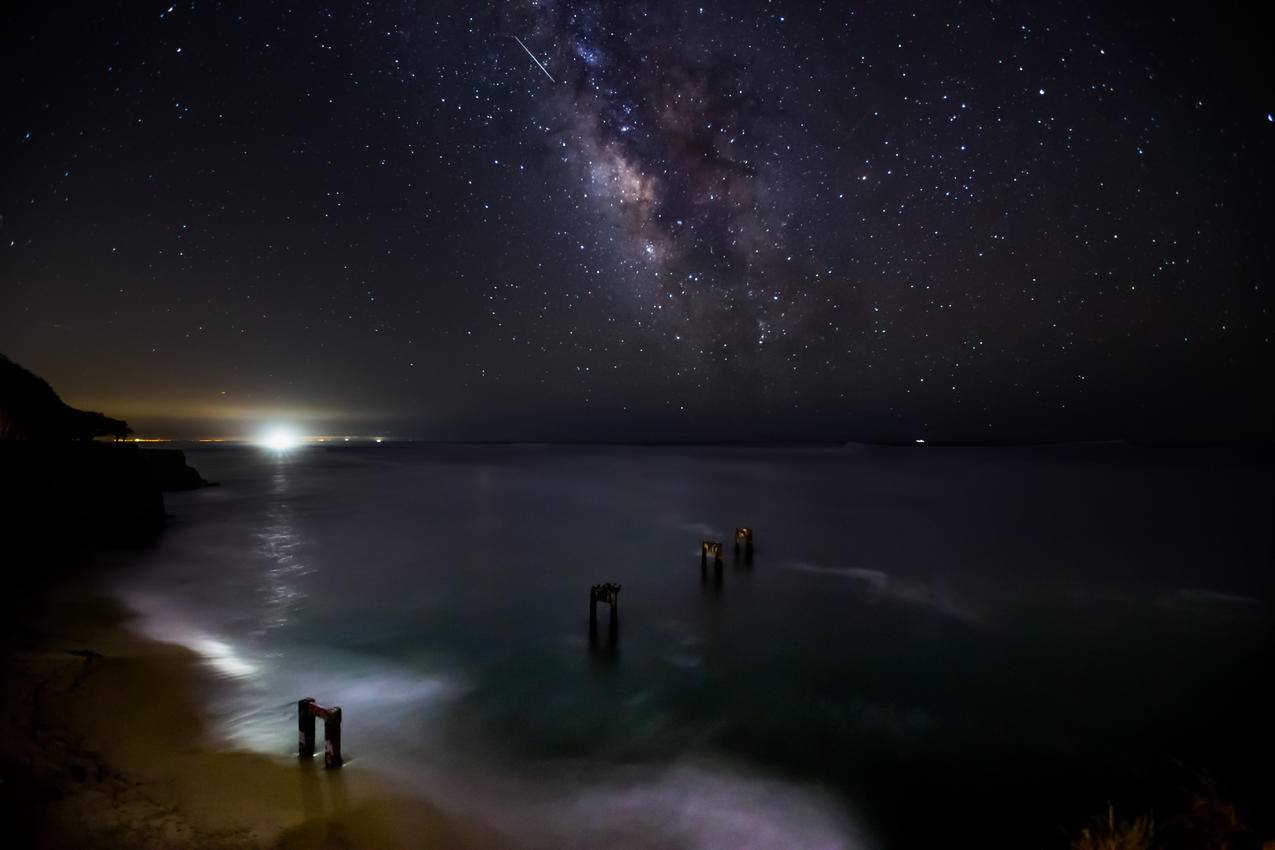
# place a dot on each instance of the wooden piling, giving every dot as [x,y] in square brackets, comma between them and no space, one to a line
[608,593]
[305,728]
[307,711]
[332,738]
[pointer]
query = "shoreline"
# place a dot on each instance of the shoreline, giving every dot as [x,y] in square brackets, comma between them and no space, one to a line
[105,746]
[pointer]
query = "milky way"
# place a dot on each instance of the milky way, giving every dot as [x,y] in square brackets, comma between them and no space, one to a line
[737,219]
[662,111]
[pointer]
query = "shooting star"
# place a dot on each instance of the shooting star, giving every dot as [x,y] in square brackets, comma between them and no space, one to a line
[534,59]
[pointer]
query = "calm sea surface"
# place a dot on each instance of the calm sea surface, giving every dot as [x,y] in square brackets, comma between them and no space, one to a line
[929,643]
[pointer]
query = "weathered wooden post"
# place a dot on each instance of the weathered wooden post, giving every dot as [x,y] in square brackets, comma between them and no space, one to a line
[613,629]
[307,711]
[305,728]
[706,548]
[610,594]
[744,535]
[332,738]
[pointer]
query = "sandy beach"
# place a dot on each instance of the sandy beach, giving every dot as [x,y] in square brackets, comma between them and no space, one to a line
[104,746]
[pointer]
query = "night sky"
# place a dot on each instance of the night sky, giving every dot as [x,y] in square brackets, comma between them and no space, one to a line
[643,221]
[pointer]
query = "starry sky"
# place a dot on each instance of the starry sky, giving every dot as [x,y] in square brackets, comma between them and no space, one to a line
[595,220]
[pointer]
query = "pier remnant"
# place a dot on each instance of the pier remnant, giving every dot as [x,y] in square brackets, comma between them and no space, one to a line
[307,710]
[744,535]
[609,594]
[706,548]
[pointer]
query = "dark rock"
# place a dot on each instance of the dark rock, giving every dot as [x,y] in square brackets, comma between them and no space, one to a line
[60,490]
[170,470]
[77,495]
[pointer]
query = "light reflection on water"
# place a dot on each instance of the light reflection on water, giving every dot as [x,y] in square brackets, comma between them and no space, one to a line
[280,543]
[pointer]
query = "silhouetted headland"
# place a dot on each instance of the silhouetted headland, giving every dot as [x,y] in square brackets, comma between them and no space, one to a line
[65,488]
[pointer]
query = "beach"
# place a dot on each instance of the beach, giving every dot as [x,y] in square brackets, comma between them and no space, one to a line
[106,746]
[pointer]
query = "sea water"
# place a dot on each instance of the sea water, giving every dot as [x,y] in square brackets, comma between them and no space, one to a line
[928,643]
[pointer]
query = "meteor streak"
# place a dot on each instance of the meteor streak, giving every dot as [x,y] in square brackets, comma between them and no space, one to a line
[534,59]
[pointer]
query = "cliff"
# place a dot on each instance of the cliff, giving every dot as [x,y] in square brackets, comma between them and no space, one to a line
[76,495]
[31,410]
[60,490]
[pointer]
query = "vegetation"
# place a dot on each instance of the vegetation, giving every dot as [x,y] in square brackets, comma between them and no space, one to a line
[31,410]
[1207,820]
[1109,835]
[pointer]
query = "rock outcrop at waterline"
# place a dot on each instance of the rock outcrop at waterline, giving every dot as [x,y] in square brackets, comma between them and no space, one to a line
[78,495]
[60,489]
[170,470]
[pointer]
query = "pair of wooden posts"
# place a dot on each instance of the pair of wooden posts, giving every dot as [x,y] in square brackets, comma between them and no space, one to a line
[743,538]
[307,710]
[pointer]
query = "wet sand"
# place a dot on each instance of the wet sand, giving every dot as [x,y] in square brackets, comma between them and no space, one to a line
[103,747]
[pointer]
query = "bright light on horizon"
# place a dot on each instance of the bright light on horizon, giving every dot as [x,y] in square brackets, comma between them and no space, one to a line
[280,438]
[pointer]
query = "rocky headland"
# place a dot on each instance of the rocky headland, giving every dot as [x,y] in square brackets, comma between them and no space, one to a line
[70,481]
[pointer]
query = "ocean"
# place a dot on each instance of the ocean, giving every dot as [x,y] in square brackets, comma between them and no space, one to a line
[929,644]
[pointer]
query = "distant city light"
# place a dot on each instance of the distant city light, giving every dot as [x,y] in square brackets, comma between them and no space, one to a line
[280,438]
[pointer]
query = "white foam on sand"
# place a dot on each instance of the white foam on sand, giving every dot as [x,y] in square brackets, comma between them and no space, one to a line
[254,706]
[686,805]
[563,805]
